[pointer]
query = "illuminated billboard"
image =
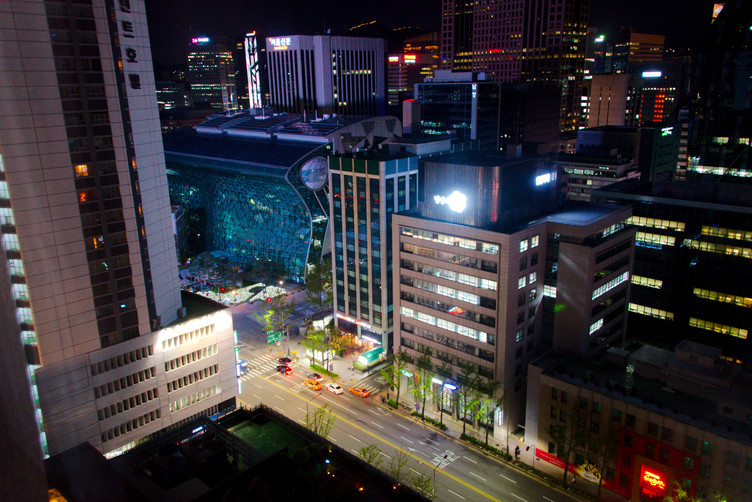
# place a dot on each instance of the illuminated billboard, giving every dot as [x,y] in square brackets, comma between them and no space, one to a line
[252,69]
[651,74]
[456,202]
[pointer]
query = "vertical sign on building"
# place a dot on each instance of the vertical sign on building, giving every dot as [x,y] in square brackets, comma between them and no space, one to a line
[251,63]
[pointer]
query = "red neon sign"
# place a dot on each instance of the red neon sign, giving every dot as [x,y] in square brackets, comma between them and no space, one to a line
[653,479]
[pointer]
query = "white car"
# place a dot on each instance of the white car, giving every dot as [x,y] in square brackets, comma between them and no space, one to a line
[333,387]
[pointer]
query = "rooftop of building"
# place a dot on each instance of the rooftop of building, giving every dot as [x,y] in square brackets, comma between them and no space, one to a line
[243,455]
[267,152]
[619,376]
[480,158]
[196,306]
[577,213]
[698,190]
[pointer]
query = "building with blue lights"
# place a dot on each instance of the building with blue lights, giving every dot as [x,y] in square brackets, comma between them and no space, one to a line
[256,186]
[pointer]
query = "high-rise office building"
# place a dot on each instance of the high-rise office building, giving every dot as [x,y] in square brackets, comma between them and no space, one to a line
[489,274]
[365,191]
[323,74]
[541,42]
[87,234]
[721,119]
[632,47]
[211,73]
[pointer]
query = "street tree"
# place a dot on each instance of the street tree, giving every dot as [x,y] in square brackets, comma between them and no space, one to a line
[319,289]
[398,468]
[423,484]
[314,341]
[393,373]
[494,400]
[679,493]
[466,390]
[423,373]
[277,315]
[569,437]
[602,449]
[444,371]
[321,421]
[372,455]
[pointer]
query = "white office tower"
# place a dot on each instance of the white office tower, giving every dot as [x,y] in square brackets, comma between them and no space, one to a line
[87,234]
[324,74]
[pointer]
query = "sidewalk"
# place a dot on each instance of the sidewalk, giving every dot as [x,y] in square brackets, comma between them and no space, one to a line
[454,431]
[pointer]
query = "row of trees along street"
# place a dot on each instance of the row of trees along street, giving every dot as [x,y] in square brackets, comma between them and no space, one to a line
[472,398]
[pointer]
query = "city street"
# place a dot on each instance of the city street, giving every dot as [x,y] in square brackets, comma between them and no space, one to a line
[461,472]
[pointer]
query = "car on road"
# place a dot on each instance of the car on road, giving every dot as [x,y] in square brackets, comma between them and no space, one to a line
[315,376]
[359,391]
[312,384]
[284,369]
[241,368]
[333,387]
[285,360]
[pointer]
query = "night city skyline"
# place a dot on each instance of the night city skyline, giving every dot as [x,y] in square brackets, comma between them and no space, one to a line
[172,23]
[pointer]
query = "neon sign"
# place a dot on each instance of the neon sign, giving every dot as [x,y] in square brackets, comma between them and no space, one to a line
[279,42]
[202,40]
[394,59]
[651,74]
[651,479]
[666,131]
[409,58]
[456,202]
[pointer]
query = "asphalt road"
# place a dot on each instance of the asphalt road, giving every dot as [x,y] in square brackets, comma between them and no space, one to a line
[461,472]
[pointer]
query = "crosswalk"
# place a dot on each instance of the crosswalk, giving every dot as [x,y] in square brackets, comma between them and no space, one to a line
[266,365]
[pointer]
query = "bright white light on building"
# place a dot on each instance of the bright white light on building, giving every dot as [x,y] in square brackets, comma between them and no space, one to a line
[543,179]
[456,202]
[651,74]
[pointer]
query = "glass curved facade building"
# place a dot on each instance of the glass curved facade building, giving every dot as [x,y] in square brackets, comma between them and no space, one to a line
[256,187]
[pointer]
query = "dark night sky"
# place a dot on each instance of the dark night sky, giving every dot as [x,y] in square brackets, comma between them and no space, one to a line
[171,22]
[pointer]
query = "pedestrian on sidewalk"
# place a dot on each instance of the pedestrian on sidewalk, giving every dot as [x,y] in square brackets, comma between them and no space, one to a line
[387,396]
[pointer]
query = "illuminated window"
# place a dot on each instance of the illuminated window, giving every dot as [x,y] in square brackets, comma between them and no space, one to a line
[744,141]
[534,241]
[741,301]
[647,281]
[521,282]
[712,247]
[641,221]
[523,246]
[718,328]
[533,277]
[596,326]
[652,312]
[721,140]
[549,291]
[729,233]
[664,240]
[82,170]
[610,285]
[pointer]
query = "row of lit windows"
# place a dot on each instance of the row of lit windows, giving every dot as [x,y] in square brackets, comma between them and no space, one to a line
[610,285]
[194,377]
[121,360]
[451,275]
[448,325]
[712,247]
[190,358]
[642,221]
[652,312]
[742,301]
[665,240]
[718,328]
[131,425]
[442,290]
[523,281]
[450,240]
[186,401]
[191,336]
[127,404]
[729,233]
[647,281]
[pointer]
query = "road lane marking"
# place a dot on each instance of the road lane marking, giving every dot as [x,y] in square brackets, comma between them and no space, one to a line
[429,445]
[403,437]
[431,440]
[356,439]
[510,479]
[281,410]
[337,404]
[301,409]
[257,385]
[416,472]
[387,456]
[460,496]
[377,425]
[547,498]
[254,395]
[513,495]
[355,452]
[470,459]
[470,472]
[424,454]
[280,398]
[374,413]
[399,448]
[406,428]
[332,439]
